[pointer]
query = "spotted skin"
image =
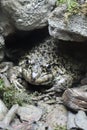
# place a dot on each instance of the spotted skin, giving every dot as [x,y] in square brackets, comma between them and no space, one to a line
[45,64]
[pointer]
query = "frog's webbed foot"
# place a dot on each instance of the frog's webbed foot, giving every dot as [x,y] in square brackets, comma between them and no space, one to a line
[15,77]
[17,85]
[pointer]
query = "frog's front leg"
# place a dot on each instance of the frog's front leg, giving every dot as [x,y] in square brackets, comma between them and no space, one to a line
[15,77]
[61,82]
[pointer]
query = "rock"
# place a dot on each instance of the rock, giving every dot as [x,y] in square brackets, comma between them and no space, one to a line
[3,110]
[29,113]
[77,120]
[81,1]
[40,126]
[75,98]
[2,42]
[81,120]
[70,121]
[10,115]
[5,123]
[27,14]
[6,27]
[33,126]
[73,28]
[57,117]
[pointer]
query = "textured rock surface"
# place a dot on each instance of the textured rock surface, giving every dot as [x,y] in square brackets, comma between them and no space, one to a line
[30,113]
[81,120]
[3,110]
[76,98]
[1,41]
[77,121]
[57,117]
[74,28]
[5,27]
[27,14]
[1,47]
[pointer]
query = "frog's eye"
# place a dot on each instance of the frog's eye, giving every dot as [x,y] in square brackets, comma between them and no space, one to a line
[49,66]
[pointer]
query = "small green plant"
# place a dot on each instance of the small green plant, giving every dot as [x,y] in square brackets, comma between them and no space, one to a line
[11,96]
[58,127]
[7,94]
[72,5]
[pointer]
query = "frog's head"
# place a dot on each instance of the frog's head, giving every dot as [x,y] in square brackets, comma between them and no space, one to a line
[38,74]
[38,67]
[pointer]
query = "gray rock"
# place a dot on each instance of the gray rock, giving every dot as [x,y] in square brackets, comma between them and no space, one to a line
[41,126]
[3,110]
[70,121]
[81,120]
[1,47]
[6,27]
[2,42]
[81,1]
[29,113]
[73,28]
[76,98]
[57,117]
[27,14]
[77,121]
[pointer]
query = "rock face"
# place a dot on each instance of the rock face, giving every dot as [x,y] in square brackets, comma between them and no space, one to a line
[74,28]
[30,112]
[1,47]
[77,121]
[3,110]
[76,98]
[5,27]
[27,14]
[57,117]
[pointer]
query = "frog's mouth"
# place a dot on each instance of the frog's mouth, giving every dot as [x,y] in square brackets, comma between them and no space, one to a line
[37,79]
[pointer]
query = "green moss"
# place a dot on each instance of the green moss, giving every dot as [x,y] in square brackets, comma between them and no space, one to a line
[72,8]
[7,94]
[60,128]
[72,5]
[11,96]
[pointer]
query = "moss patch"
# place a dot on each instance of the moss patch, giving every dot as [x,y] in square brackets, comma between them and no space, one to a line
[11,96]
[72,5]
[58,127]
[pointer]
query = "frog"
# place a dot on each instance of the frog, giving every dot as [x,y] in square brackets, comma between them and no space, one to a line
[47,65]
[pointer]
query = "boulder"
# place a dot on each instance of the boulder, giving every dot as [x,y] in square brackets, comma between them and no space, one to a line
[77,121]
[1,48]
[29,113]
[6,27]
[3,110]
[28,14]
[57,117]
[67,28]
